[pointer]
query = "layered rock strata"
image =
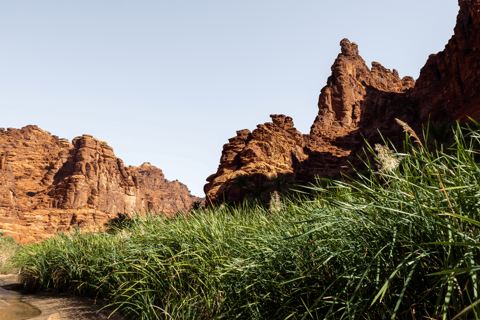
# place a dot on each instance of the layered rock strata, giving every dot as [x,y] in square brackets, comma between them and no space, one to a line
[358,102]
[49,185]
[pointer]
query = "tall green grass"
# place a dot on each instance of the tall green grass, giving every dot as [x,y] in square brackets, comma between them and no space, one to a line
[402,243]
[8,250]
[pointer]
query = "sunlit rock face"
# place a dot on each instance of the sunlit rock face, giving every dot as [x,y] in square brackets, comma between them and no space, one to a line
[356,99]
[268,151]
[49,185]
[358,102]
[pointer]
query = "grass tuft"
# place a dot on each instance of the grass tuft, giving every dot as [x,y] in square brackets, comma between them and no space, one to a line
[8,249]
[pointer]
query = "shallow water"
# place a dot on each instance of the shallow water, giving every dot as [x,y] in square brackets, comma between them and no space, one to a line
[13,308]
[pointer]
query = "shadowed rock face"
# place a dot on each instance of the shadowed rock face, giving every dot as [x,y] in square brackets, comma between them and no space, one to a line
[48,185]
[449,83]
[357,101]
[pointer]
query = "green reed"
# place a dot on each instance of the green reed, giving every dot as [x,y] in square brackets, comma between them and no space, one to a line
[401,243]
[8,250]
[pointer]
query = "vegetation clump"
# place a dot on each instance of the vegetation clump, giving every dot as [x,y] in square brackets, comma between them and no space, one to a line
[8,250]
[394,244]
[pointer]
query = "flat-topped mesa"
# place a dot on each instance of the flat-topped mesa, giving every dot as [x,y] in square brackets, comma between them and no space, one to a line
[341,100]
[48,185]
[266,152]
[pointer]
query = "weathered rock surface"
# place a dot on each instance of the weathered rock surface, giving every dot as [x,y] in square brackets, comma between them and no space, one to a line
[449,83]
[268,151]
[48,185]
[358,101]
[160,194]
[355,100]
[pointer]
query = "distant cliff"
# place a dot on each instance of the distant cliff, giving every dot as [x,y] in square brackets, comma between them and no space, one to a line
[48,185]
[357,102]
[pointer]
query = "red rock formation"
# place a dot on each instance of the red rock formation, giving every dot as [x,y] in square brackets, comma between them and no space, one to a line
[354,95]
[358,101]
[48,184]
[448,86]
[159,193]
[270,150]
[340,102]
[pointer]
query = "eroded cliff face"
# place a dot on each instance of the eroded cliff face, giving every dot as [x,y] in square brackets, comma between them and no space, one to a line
[160,194]
[358,101]
[341,102]
[268,151]
[48,185]
[355,101]
[449,83]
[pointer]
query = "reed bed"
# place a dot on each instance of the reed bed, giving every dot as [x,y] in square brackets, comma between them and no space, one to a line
[8,250]
[401,242]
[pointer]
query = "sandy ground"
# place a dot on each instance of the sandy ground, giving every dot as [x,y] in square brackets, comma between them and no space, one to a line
[15,305]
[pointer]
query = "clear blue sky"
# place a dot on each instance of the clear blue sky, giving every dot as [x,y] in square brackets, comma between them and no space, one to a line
[169,81]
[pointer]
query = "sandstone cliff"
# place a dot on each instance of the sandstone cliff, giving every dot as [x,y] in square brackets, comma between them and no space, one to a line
[357,101]
[48,185]
[268,151]
[449,84]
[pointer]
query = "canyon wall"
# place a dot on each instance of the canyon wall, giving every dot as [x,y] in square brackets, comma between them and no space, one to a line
[357,102]
[449,83]
[49,185]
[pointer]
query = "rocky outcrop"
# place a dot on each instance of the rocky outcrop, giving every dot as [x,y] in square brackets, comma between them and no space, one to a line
[357,103]
[48,185]
[158,193]
[268,151]
[341,102]
[448,86]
